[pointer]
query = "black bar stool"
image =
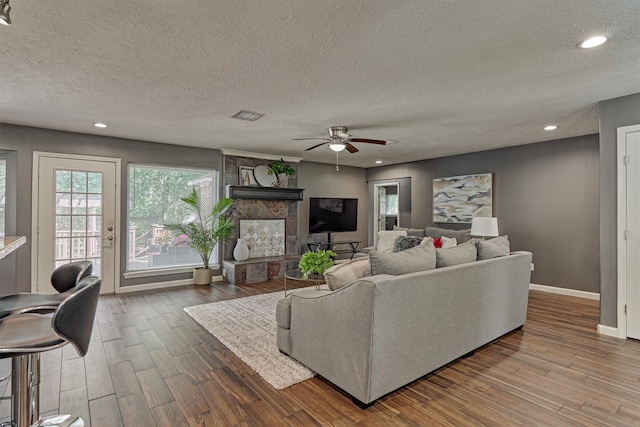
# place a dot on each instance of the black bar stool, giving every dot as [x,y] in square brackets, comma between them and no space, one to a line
[24,334]
[64,279]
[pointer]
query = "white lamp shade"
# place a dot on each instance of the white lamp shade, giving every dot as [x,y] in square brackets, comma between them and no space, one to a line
[484,226]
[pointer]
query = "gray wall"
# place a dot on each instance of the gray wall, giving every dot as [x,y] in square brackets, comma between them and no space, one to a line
[545,199]
[26,140]
[322,180]
[614,113]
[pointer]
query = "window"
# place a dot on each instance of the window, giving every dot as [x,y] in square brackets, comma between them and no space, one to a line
[154,200]
[3,192]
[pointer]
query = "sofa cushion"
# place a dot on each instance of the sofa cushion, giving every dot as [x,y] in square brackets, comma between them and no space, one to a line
[346,273]
[460,254]
[406,242]
[493,248]
[387,239]
[417,232]
[418,258]
[461,235]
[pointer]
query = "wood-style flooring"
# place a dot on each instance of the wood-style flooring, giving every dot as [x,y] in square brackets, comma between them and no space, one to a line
[149,364]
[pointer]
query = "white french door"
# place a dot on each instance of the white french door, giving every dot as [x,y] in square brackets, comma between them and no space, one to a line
[75,217]
[629,235]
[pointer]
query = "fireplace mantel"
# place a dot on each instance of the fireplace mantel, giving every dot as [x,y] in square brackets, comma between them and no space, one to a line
[263,193]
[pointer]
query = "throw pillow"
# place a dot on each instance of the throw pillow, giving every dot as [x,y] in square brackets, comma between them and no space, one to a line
[460,254]
[461,235]
[418,232]
[493,248]
[418,258]
[387,239]
[341,275]
[406,242]
[448,242]
[437,242]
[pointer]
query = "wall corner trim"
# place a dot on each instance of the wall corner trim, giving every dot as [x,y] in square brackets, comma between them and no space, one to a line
[564,291]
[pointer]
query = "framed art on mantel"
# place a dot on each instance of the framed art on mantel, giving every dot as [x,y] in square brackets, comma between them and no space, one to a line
[457,199]
[246,176]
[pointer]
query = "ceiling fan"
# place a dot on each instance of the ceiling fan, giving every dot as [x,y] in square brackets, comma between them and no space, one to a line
[339,139]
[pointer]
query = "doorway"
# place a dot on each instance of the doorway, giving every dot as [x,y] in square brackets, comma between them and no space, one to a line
[386,207]
[76,217]
[628,231]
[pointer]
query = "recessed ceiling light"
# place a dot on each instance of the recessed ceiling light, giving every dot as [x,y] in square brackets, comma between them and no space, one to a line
[551,127]
[592,42]
[378,161]
[100,125]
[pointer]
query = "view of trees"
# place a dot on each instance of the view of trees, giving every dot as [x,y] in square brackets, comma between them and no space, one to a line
[154,200]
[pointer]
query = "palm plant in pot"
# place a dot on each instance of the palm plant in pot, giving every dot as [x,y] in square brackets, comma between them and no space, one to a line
[204,230]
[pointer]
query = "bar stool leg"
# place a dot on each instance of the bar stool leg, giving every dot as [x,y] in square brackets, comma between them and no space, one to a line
[34,370]
[20,390]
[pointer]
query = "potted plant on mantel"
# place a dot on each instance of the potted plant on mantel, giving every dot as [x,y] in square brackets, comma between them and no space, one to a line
[205,230]
[280,168]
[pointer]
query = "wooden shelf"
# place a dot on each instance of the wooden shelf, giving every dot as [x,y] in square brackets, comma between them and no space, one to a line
[263,193]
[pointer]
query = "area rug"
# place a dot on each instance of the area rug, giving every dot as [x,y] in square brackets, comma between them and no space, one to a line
[247,326]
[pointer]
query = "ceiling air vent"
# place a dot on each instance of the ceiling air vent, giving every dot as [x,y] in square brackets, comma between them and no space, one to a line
[247,115]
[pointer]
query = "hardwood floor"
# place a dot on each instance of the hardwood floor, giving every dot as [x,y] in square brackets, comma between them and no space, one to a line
[149,364]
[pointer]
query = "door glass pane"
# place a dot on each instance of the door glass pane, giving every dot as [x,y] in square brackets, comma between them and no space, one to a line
[94,182]
[63,181]
[79,203]
[78,215]
[79,182]
[63,249]
[63,203]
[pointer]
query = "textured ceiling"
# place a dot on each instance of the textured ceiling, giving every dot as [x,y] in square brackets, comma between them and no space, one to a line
[439,77]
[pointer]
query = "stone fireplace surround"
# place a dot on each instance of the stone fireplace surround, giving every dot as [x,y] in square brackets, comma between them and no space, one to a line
[259,269]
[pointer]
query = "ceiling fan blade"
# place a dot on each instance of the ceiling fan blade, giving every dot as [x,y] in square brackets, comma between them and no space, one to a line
[306,139]
[315,146]
[369,141]
[351,148]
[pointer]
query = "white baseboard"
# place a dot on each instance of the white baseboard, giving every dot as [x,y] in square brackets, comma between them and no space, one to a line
[609,331]
[161,285]
[564,291]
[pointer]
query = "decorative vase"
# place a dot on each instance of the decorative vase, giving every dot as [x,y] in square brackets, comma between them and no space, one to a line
[281,181]
[241,251]
[202,276]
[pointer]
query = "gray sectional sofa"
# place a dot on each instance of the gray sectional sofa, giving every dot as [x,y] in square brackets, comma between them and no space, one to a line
[382,332]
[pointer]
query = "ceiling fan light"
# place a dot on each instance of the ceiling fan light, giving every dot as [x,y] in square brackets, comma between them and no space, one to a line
[337,146]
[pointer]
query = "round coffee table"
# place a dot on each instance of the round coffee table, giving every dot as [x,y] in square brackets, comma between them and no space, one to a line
[298,276]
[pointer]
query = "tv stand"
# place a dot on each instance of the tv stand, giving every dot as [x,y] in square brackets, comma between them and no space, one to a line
[339,247]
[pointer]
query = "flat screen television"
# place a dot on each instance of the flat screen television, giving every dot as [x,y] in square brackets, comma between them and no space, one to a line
[332,215]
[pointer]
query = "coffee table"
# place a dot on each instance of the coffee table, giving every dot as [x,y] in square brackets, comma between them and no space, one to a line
[298,276]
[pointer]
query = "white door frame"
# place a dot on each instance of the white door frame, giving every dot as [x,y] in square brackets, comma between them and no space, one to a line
[621,226]
[376,205]
[34,216]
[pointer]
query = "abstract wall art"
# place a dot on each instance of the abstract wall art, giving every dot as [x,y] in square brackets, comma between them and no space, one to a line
[457,199]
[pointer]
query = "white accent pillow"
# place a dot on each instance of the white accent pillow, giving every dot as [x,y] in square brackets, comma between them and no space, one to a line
[346,273]
[387,239]
[448,242]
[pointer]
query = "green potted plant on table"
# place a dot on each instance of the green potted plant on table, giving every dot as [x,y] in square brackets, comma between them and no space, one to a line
[280,169]
[316,262]
[208,226]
